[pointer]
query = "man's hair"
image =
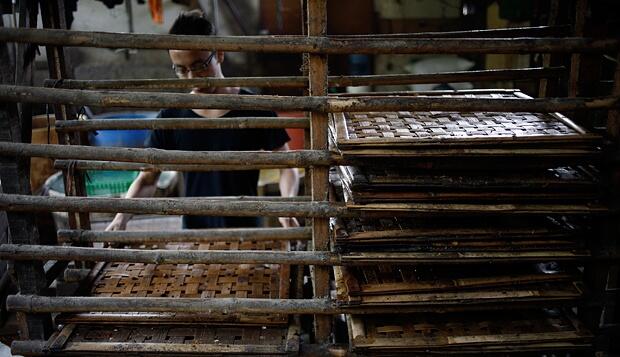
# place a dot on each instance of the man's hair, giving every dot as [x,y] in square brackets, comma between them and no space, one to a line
[192,23]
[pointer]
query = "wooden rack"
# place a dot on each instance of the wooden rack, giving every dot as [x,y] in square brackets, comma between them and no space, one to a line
[73,156]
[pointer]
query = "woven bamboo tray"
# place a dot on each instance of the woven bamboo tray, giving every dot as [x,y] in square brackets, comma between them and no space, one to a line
[451,140]
[438,234]
[470,333]
[426,288]
[191,281]
[407,129]
[171,340]
[373,185]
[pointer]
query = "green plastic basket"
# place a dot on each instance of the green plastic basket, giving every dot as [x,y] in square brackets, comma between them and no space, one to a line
[109,183]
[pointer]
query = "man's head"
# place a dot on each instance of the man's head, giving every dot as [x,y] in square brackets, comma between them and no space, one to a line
[192,64]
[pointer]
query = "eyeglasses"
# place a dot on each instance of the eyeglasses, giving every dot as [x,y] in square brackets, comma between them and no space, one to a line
[199,66]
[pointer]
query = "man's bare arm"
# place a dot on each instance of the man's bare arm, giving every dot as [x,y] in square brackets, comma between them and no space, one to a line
[144,185]
[289,187]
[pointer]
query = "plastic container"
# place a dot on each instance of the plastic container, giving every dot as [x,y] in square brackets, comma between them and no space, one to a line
[122,138]
[109,183]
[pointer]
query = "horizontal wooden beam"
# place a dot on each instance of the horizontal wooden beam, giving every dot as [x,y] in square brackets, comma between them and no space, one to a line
[136,166]
[405,101]
[180,123]
[302,82]
[186,235]
[207,206]
[40,304]
[42,348]
[447,77]
[294,158]
[308,44]
[530,31]
[163,256]
[158,100]
[323,306]
[174,83]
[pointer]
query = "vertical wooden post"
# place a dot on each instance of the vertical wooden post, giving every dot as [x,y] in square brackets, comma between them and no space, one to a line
[581,8]
[317,26]
[305,70]
[15,178]
[53,16]
[554,11]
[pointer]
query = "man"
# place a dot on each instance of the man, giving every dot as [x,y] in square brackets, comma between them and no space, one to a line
[193,64]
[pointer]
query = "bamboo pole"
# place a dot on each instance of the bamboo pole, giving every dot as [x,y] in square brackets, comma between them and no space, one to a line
[319,103]
[295,158]
[301,82]
[157,100]
[186,235]
[173,83]
[131,166]
[33,303]
[20,252]
[309,44]
[533,31]
[215,206]
[72,304]
[447,77]
[181,123]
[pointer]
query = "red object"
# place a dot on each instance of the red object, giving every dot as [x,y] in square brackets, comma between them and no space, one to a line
[157,11]
[297,135]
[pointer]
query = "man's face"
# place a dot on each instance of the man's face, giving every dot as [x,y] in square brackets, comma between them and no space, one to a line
[197,64]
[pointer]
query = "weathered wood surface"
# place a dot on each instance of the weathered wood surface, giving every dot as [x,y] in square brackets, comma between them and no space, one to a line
[158,156]
[186,235]
[218,206]
[319,179]
[309,44]
[189,340]
[162,256]
[301,82]
[136,166]
[181,123]
[15,179]
[33,303]
[533,31]
[315,103]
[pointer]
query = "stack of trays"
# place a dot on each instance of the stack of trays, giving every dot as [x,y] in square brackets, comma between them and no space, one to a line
[455,212]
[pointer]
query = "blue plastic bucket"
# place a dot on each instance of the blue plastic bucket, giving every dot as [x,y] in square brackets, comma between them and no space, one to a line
[121,138]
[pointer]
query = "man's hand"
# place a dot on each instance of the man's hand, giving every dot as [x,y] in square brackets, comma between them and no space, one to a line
[119,223]
[288,222]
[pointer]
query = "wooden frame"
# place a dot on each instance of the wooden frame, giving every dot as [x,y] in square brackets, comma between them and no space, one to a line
[316,45]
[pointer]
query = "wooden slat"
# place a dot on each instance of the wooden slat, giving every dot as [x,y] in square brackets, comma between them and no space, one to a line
[186,235]
[317,26]
[301,82]
[312,103]
[310,44]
